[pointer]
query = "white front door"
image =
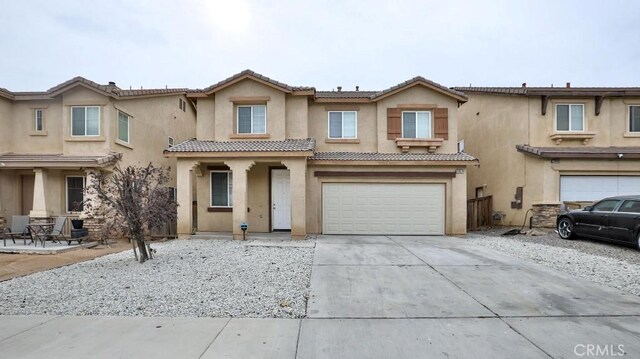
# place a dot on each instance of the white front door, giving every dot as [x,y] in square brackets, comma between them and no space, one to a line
[280,200]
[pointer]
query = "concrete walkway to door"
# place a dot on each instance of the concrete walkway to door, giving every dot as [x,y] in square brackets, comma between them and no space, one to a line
[375,297]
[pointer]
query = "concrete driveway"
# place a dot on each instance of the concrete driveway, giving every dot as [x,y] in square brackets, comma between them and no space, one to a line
[376,297]
[425,297]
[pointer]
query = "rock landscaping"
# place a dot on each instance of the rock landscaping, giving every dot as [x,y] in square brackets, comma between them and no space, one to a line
[610,264]
[186,278]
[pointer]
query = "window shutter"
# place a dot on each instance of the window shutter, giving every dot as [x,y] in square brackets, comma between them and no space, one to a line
[394,124]
[441,123]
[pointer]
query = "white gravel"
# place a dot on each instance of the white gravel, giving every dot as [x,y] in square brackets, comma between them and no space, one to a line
[613,269]
[201,278]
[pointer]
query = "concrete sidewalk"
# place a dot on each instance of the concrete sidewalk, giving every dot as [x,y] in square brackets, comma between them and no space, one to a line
[376,297]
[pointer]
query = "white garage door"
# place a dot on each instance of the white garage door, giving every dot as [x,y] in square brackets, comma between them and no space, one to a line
[383,208]
[593,188]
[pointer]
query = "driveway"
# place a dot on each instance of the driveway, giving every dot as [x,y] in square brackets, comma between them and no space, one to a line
[376,297]
[423,297]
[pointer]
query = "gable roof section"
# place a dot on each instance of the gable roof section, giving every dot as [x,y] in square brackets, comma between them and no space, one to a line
[248,74]
[106,90]
[419,80]
[367,96]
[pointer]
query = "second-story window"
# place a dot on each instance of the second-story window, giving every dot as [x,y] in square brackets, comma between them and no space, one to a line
[634,118]
[123,126]
[252,119]
[416,124]
[570,117]
[343,124]
[39,120]
[85,121]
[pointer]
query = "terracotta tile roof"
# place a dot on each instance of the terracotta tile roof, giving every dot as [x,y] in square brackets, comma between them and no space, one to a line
[563,91]
[375,156]
[193,145]
[249,73]
[21,160]
[373,95]
[418,79]
[107,90]
[581,152]
[345,94]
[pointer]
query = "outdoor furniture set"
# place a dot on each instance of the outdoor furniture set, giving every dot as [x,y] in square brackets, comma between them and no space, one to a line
[38,232]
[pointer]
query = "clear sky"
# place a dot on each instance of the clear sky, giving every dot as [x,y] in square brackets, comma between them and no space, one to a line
[373,44]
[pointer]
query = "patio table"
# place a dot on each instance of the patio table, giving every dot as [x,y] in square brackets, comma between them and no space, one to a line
[40,231]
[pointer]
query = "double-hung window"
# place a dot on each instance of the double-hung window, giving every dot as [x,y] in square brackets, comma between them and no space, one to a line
[39,120]
[634,118]
[416,124]
[252,119]
[123,126]
[75,193]
[221,189]
[343,124]
[569,117]
[85,121]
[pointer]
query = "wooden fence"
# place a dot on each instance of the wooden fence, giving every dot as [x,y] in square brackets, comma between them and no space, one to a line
[479,211]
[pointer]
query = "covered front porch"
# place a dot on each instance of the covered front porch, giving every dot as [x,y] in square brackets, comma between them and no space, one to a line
[218,191]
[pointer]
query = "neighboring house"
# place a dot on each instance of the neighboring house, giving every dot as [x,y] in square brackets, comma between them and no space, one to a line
[279,157]
[51,142]
[542,147]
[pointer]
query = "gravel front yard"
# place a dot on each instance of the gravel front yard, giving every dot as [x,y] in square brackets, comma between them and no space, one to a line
[609,264]
[201,278]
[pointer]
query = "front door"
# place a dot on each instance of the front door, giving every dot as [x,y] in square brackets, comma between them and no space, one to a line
[280,200]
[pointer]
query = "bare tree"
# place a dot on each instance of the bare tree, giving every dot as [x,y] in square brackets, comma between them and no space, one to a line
[132,202]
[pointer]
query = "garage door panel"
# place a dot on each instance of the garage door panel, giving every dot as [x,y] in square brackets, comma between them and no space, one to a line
[593,188]
[376,208]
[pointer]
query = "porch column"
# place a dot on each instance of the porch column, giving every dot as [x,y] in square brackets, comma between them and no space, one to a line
[39,195]
[298,180]
[184,185]
[239,169]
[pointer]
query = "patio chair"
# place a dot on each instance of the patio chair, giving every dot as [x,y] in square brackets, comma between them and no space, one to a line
[56,233]
[18,230]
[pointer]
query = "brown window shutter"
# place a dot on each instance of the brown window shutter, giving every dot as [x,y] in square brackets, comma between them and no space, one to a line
[441,123]
[394,123]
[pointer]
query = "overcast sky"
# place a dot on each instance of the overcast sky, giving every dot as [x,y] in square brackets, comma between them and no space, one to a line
[374,44]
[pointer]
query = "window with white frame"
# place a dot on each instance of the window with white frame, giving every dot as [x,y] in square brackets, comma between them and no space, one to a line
[634,118]
[569,117]
[416,124]
[39,120]
[123,126]
[75,193]
[171,141]
[85,121]
[343,124]
[252,119]
[221,189]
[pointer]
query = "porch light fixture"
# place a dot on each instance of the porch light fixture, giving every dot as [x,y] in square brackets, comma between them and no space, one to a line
[244,227]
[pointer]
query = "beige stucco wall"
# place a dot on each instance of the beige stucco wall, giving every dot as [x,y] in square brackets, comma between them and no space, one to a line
[153,120]
[297,114]
[206,119]
[492,126]
[366,127]
[225,111]
[417,95]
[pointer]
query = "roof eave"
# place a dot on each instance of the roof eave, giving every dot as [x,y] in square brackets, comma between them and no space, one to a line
[461,98]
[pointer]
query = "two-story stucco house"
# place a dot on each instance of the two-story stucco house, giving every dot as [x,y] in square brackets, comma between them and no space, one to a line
[51,142]
[542,147]
[278,157]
